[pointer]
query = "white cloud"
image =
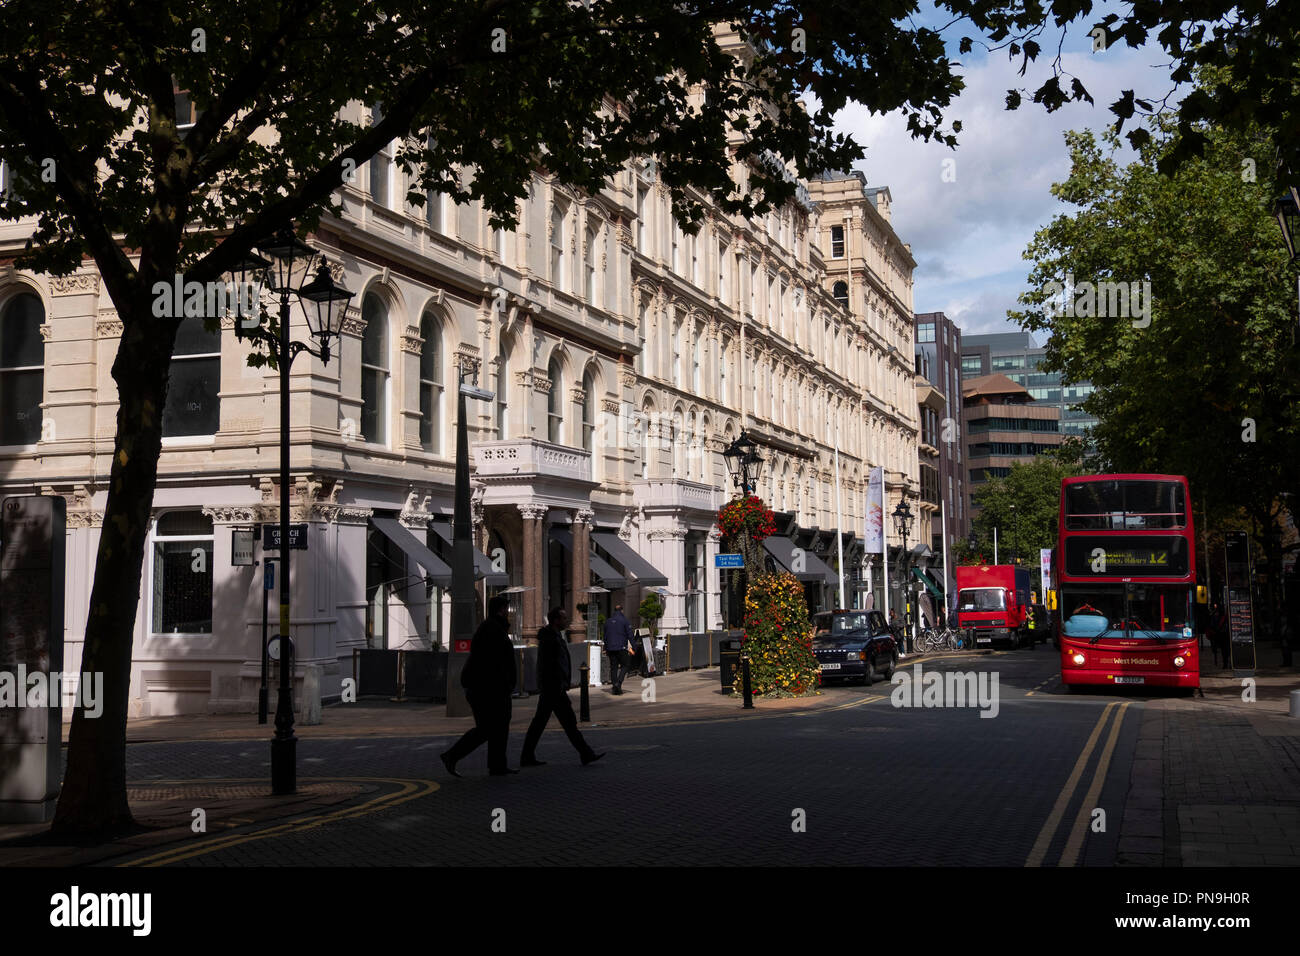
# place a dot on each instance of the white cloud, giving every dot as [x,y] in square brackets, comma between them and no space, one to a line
[968,235]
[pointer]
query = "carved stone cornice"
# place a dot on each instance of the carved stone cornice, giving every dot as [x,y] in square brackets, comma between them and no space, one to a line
[108,325]
[577,394]
[47,331]
[74,284]
[612,406]
[541,384]
[667,534]
[353,323]
[624,235]
[533,512]
[524,378]
[233,514]
[85,519]
[411,340]
[626,377]
[352,515]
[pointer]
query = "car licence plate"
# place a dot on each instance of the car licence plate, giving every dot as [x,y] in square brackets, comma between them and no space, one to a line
[1130,680]
[983,640]
[830,667]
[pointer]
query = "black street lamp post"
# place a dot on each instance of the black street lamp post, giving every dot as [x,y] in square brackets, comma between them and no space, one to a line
[744,463]
[903,526]
[287,256]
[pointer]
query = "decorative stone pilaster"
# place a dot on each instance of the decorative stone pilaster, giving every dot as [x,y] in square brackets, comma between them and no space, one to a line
[534,563]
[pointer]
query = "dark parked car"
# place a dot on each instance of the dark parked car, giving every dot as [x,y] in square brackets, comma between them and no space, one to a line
[854,645]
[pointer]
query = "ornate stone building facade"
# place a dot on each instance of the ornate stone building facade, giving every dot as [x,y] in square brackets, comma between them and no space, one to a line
[624,356]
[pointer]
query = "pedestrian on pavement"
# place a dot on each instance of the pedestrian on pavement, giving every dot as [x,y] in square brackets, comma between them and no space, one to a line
[896,626]
[1219,643]
[618,640]
[489,681]
[554,670]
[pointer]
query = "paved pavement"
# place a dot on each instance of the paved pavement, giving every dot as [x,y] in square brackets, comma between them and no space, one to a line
[690,778]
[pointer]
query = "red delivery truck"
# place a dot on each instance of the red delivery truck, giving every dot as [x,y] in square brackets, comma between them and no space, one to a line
[993,604]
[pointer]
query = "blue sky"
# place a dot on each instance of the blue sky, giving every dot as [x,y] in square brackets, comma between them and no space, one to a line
[968,235]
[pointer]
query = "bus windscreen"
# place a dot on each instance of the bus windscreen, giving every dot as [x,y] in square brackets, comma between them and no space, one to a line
[1125,505]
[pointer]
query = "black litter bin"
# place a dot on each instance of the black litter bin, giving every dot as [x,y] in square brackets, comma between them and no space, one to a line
[729,659]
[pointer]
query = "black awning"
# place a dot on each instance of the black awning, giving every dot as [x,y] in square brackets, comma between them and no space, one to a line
[645,573]
[436,570]
[815,569]
[608,577]
[482,563]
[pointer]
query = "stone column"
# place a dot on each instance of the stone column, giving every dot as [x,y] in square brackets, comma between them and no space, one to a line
[580,568]
[534,562]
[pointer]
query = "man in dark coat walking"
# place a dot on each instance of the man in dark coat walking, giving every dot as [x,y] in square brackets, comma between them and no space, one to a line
[618,639]
[489,681]
[554,670]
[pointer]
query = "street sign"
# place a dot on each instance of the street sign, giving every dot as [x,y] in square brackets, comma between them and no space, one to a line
[1241,610]
[268,576]
[462,645]
[728,560]
[271,537]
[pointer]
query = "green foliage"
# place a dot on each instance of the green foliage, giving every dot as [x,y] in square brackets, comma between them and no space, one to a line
[1216,367]
[778,638]
[1021,506]
[650,611]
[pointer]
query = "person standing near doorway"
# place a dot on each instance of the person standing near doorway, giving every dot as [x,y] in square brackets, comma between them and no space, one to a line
[618,639]
[554,670]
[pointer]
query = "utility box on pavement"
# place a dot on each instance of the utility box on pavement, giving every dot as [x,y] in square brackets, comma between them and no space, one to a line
[32,538]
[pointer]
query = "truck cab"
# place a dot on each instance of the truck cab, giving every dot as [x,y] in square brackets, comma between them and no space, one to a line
[993,604]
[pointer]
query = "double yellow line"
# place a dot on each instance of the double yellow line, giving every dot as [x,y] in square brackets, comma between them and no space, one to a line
[1079,831]
[406,790]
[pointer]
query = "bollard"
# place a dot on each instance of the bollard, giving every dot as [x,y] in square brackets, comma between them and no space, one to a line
[584,699]
[1295,703]
[744,672]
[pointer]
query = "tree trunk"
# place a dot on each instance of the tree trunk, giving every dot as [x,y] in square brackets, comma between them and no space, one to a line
[93,800]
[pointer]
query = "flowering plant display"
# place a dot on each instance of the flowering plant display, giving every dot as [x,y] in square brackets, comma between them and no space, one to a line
[746,514]
[778,638]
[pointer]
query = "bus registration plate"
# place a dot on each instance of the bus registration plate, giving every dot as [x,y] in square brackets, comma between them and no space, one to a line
[1130,680]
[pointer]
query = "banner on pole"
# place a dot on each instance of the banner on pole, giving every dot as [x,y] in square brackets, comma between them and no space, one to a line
[875,531]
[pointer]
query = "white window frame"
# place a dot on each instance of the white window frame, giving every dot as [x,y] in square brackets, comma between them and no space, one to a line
[154,540]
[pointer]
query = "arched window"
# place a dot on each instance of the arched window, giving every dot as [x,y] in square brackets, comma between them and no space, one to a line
[558,216]
[431,383]
[679,445]
[555,402]
[503,392]
[643,356]
[691,445]
[840,293]
[697,362]
[724,371]
[678,344]
[22,369]
[588,410]
[374,370]
[193,382]
[647,447]
[592,249]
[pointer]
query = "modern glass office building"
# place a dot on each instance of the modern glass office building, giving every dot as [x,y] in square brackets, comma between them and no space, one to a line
[1017,356]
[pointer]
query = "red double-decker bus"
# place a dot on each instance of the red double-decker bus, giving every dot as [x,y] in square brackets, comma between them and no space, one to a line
[1125,578]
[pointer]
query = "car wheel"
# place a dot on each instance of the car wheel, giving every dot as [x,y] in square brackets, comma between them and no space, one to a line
[869,672]
[891,667]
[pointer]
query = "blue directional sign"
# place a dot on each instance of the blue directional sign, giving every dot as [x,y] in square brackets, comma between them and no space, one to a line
[728,560]
[268,576]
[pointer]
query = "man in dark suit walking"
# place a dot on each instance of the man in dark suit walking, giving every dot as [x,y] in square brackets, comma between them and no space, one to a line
[618,638]
[554,670]
[489,681]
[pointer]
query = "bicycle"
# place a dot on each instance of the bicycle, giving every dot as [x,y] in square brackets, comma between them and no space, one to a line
[939,639]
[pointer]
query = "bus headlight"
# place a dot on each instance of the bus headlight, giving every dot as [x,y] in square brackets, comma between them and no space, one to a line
[1078,658]
[1179,661]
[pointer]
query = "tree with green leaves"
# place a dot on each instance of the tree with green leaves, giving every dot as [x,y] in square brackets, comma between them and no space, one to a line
[490,89]
[1203,383]
[1022,507]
